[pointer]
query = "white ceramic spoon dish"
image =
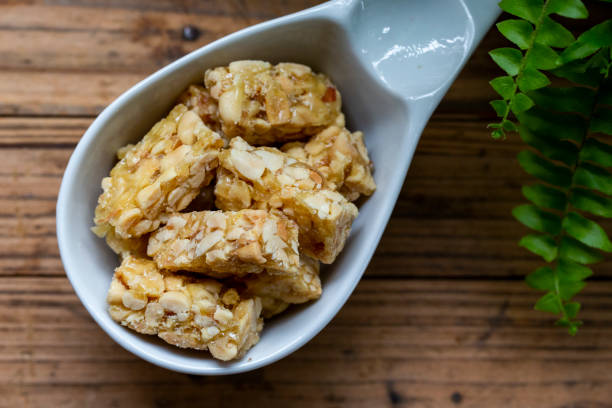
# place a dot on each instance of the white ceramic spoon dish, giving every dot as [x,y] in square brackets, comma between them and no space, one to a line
[392,61]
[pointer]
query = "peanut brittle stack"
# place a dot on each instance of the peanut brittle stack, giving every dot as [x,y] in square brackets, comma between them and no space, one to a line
[204,276]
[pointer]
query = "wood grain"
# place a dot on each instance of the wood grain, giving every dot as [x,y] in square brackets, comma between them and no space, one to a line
[72,68]
[418,343]
[441,318]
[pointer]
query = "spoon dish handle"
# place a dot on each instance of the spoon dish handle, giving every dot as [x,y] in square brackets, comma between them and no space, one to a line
[415,48]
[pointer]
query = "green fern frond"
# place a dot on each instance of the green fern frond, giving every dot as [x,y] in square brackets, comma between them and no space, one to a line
[563,126]
[535,33]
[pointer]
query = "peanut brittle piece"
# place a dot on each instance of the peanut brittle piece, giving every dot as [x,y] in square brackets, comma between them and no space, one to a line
[185,311]
[266,178]
[263,171]
[267,103]
[340,157]
[122,246]
[271,307]
[231,243]
[295,288]
[278,292]
[324,218]
[197,99]
[160,174]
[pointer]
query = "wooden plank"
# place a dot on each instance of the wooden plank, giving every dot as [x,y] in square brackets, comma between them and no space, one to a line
[123,41]
[35,264]
[72,68]
[404,343]
[41,132]
[64,94]
[243,9]
[257,391]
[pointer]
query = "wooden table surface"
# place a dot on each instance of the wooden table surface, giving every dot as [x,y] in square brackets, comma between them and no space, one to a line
[440,319]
